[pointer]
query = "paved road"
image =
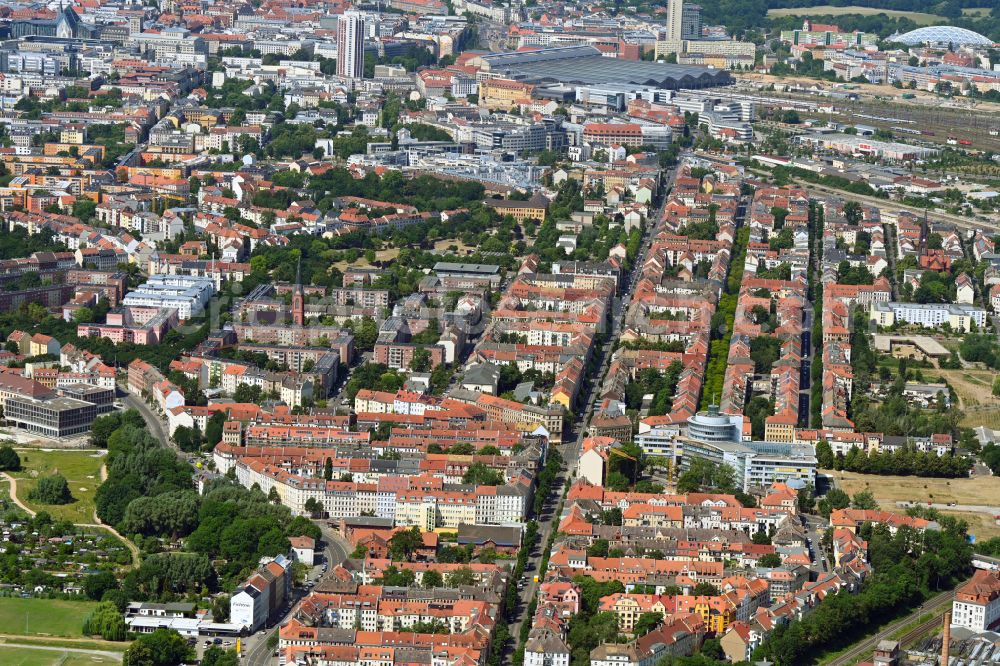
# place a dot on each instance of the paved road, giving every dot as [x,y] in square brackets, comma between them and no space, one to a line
[107,654]
[156,426]
[335,549]
[574,436]
[255,650]
[937,605]
[815,528]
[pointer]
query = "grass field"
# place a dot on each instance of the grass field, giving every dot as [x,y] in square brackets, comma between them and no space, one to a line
[43,617]
[976,11]
[22,656]
[975,396]
[828,10]
[69,644]
[82,470]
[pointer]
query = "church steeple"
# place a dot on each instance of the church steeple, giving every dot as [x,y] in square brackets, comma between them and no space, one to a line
[298,298]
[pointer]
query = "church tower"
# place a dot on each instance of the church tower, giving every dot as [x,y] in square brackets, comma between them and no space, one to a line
[298,298]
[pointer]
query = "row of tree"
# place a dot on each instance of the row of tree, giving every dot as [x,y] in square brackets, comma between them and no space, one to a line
[905,461]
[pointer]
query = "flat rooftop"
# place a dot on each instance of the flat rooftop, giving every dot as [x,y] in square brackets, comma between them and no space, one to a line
[925,343]
[478,269]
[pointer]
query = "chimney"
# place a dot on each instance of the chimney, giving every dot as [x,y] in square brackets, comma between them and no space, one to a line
[946,638]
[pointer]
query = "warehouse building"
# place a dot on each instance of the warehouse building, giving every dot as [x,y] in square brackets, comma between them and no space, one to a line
[850,144]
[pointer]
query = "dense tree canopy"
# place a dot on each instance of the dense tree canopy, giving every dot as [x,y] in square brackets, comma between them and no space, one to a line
[163,647]
[51,490]
[9,460]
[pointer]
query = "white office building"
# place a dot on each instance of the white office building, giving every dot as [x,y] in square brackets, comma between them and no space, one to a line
[756,464]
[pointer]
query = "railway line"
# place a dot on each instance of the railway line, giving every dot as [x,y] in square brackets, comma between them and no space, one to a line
[936,607]
[940,121]
[960,222]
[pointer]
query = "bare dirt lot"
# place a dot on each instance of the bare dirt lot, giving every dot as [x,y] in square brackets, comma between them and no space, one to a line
[888,490]
[975,396]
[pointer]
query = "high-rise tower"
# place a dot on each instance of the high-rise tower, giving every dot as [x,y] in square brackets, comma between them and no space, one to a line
[351,45]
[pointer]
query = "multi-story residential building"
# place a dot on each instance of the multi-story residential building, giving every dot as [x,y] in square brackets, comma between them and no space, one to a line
[959,317]
[399,355]
[254,601]
[188,295]
[351,45]
[977,602]
[511,411]
[136,325]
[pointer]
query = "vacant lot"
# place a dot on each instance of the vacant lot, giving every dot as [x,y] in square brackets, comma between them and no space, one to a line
[447,244]
[980,490]
[980,524]
[827,10]
[11,655]
[82,470]
[380,255]
[890,489]
[975,396]
[43,617]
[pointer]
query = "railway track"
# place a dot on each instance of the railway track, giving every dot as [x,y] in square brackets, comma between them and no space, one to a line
[970,123]
[936,606]
[961,222]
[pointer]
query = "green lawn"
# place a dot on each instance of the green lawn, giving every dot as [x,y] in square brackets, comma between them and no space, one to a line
[22,656]
[82,470]
[829,10]
[43,617]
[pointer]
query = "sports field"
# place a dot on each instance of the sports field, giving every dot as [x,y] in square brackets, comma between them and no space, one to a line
[43,617]
[829,10]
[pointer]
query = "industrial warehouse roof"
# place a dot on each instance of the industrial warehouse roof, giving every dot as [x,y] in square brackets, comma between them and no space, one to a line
[584,65]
